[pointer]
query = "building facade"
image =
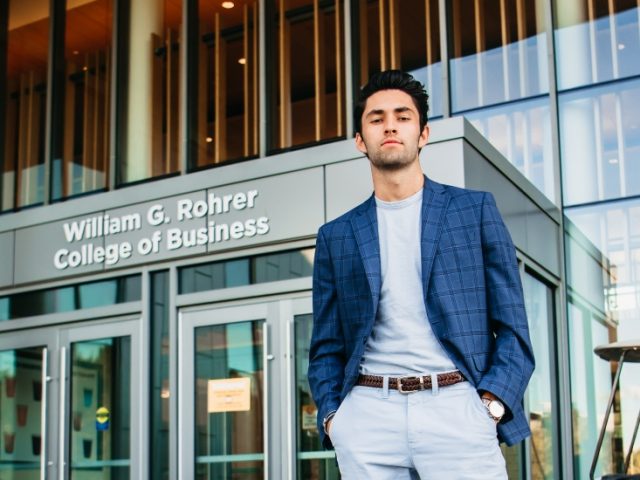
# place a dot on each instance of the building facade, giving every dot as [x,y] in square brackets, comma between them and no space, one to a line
[165,165]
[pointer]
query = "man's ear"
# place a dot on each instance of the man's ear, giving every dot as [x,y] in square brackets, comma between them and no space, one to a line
[424,137]
[360,143]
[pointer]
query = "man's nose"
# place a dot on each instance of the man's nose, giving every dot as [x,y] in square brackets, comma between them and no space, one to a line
[390,126]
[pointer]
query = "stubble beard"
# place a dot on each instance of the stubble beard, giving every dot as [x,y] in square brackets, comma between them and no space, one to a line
[392,161]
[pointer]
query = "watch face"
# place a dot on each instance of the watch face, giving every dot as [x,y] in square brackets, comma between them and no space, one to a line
[496,409]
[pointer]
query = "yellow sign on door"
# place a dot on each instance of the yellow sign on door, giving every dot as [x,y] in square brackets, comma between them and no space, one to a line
[229,395]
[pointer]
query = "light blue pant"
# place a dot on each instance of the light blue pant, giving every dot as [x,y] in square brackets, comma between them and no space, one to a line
[443,433]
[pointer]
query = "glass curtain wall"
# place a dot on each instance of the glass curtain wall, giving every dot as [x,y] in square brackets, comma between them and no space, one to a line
[499,60]
[81,146]
[307,81]
[400,35]
[227,110]
[596,41]
[498,52]
[600,142]
[595,318]
[521,131]
[153,99]
[614,229]
[24,49]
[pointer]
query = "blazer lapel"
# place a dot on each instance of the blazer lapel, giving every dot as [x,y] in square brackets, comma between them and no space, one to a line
[365,229]
[435,201]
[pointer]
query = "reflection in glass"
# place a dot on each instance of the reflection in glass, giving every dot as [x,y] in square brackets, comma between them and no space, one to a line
[614,229]
[401,35]
[67,299]
[229,405]
[542,411]
[312,461]
[153,107]
[23,92]
[499,52]
[600,142]
[247,271]
[21,413]
[596,41]
[522,133]
[308,83]
[227,123]
[160,387]
[100,409]
[81,148]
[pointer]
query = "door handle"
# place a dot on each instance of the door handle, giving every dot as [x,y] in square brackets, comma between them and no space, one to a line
[43,414]
[63,399]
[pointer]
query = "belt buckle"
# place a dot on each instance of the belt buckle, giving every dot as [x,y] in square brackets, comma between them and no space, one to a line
[407,377]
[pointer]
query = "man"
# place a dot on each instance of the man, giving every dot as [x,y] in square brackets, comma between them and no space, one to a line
[420,352]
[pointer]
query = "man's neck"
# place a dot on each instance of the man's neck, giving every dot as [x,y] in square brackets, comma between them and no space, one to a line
[395,185]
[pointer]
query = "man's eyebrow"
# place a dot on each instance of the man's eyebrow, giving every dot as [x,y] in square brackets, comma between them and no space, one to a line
[379,111]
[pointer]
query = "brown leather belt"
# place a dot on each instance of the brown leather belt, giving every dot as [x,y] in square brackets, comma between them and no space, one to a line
[411,383]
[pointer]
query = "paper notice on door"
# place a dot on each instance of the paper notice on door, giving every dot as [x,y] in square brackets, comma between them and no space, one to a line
[308,417]
[229,395]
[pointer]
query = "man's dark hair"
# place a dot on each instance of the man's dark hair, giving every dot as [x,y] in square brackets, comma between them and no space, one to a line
[393,80]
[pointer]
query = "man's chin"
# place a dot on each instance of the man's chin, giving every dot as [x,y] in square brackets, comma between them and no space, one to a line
[390,165]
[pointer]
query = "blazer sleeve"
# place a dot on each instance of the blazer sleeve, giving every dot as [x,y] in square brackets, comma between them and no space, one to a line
[326,352]
[511,363]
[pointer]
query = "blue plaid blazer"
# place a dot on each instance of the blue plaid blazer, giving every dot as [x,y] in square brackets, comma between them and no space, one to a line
[472,293]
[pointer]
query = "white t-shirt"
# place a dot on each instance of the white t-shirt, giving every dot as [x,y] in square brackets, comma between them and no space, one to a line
[402,341]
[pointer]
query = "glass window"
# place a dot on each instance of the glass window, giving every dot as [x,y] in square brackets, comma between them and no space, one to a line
[313,462]
[247,271]
[74,297]
[81,146]
[540,400]
[403,35]
[160,388]
[499,52]
[604,287]
[100,404]
[228,115]
[24,49]
[21,413]
[600,142]
[522,133]
[153,100]
[596,40]
[307,77]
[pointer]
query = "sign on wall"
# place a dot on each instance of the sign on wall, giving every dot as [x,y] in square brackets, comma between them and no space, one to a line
[272,209]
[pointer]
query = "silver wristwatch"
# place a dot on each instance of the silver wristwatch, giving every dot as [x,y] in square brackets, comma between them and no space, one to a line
[495,408]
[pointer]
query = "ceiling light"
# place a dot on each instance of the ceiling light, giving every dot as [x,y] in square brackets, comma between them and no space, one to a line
[209,139]
[613,161]
[76,52]
[228,4]
[242,61]
[621,46]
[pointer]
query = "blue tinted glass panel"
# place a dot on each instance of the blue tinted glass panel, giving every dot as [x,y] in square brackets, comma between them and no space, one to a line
[522,133]
[70,298]
[596,41]
[600,142]
[498,54]
[247,271]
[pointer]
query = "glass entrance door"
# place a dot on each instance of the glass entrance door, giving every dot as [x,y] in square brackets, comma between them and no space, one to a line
[223,365]
[100,402]
[69,403]
[24,419]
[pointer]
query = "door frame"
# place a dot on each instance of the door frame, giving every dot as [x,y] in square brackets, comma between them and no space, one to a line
[55,409]
[188,320]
